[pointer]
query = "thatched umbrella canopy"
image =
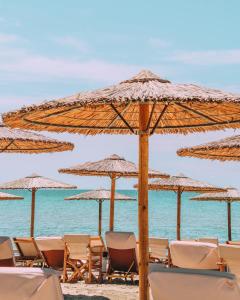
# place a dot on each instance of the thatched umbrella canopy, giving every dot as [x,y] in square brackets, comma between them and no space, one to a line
[33,183]
[99,195]
[143,105]
[224,149]
[229,196]
[180,184]
[5,196]
[114,167]
[23,141]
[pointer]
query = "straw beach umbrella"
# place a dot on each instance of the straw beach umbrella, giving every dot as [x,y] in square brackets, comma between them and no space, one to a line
[224,149]
[114,167]
[143,105]
[33,183]
[5,196]
[23,141]
[180,184]
[229,196]
[99,195]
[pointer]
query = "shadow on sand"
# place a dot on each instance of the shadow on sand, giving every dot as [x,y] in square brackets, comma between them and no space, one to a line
[84,297]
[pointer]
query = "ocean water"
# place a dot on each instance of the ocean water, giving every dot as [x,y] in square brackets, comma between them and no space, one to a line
[55,216]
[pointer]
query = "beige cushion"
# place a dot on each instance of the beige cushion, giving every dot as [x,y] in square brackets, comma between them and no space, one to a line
[231,256]
[29,284]
[194,255]
[171,284]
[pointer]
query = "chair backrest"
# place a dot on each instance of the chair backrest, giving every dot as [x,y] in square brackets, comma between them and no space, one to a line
[77,245]
[6,252]
[168,284]
[52,250]
[158,247]
[194,255]
[208,240]
[230,254]
[122,250]
[27,247]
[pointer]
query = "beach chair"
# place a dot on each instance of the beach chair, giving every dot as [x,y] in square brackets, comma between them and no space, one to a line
[230,259]
[159,250]
[29,254]
[77,256]
[6,252]
[194,255]
[171,284]
[122,255]
[208,240]
[97,248]
[52,251]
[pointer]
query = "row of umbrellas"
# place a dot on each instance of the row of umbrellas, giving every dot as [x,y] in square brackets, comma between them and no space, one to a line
[142,105]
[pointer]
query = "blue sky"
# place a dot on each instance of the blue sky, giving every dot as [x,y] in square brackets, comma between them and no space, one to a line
[50,49]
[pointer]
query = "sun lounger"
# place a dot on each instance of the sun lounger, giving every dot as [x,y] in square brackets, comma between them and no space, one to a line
[194,255]
[77,256]
[122,253]
[6,252]
[159,250]
[230,258]
[29,283]
[172,284]
[208,240]
[52,250]
[29,254]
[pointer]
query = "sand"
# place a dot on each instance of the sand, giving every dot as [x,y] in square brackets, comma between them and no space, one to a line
[114,291]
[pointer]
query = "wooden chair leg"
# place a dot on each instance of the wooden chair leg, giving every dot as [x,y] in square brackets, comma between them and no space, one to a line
[65,265]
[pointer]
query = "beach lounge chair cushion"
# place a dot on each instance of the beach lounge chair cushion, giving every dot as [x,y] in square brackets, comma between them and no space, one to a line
[208,240]
[6,252]
[29,284]
[194,255]
[230,254]
[172,284]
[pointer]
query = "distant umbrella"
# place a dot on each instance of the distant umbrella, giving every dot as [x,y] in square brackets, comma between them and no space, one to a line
[114,167]
[5,196]
[142,105]
[180,184]
[23,141]
[224,149]
[34,182]
[99,195]
[229,196]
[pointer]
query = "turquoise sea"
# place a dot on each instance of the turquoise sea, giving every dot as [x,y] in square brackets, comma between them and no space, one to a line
[54,216]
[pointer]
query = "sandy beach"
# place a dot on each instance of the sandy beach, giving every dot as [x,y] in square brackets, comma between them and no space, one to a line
[104,291]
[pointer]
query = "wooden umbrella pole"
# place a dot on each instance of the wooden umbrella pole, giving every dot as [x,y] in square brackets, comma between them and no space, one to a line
[179,194]
[143,202]
[100,217]
[111,219]
[32,212]
[229,221]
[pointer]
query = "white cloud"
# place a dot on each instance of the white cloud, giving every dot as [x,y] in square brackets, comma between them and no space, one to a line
[72,42]
[158,43]
[208,57]
[8,38]
[18,64]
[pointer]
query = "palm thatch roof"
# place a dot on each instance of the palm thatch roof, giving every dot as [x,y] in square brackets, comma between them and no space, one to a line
[224,149]
[22,141]
[35,181]
[5,196]
[184,183]
[230,195]
[101,194]
[174,108]
[112,165]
